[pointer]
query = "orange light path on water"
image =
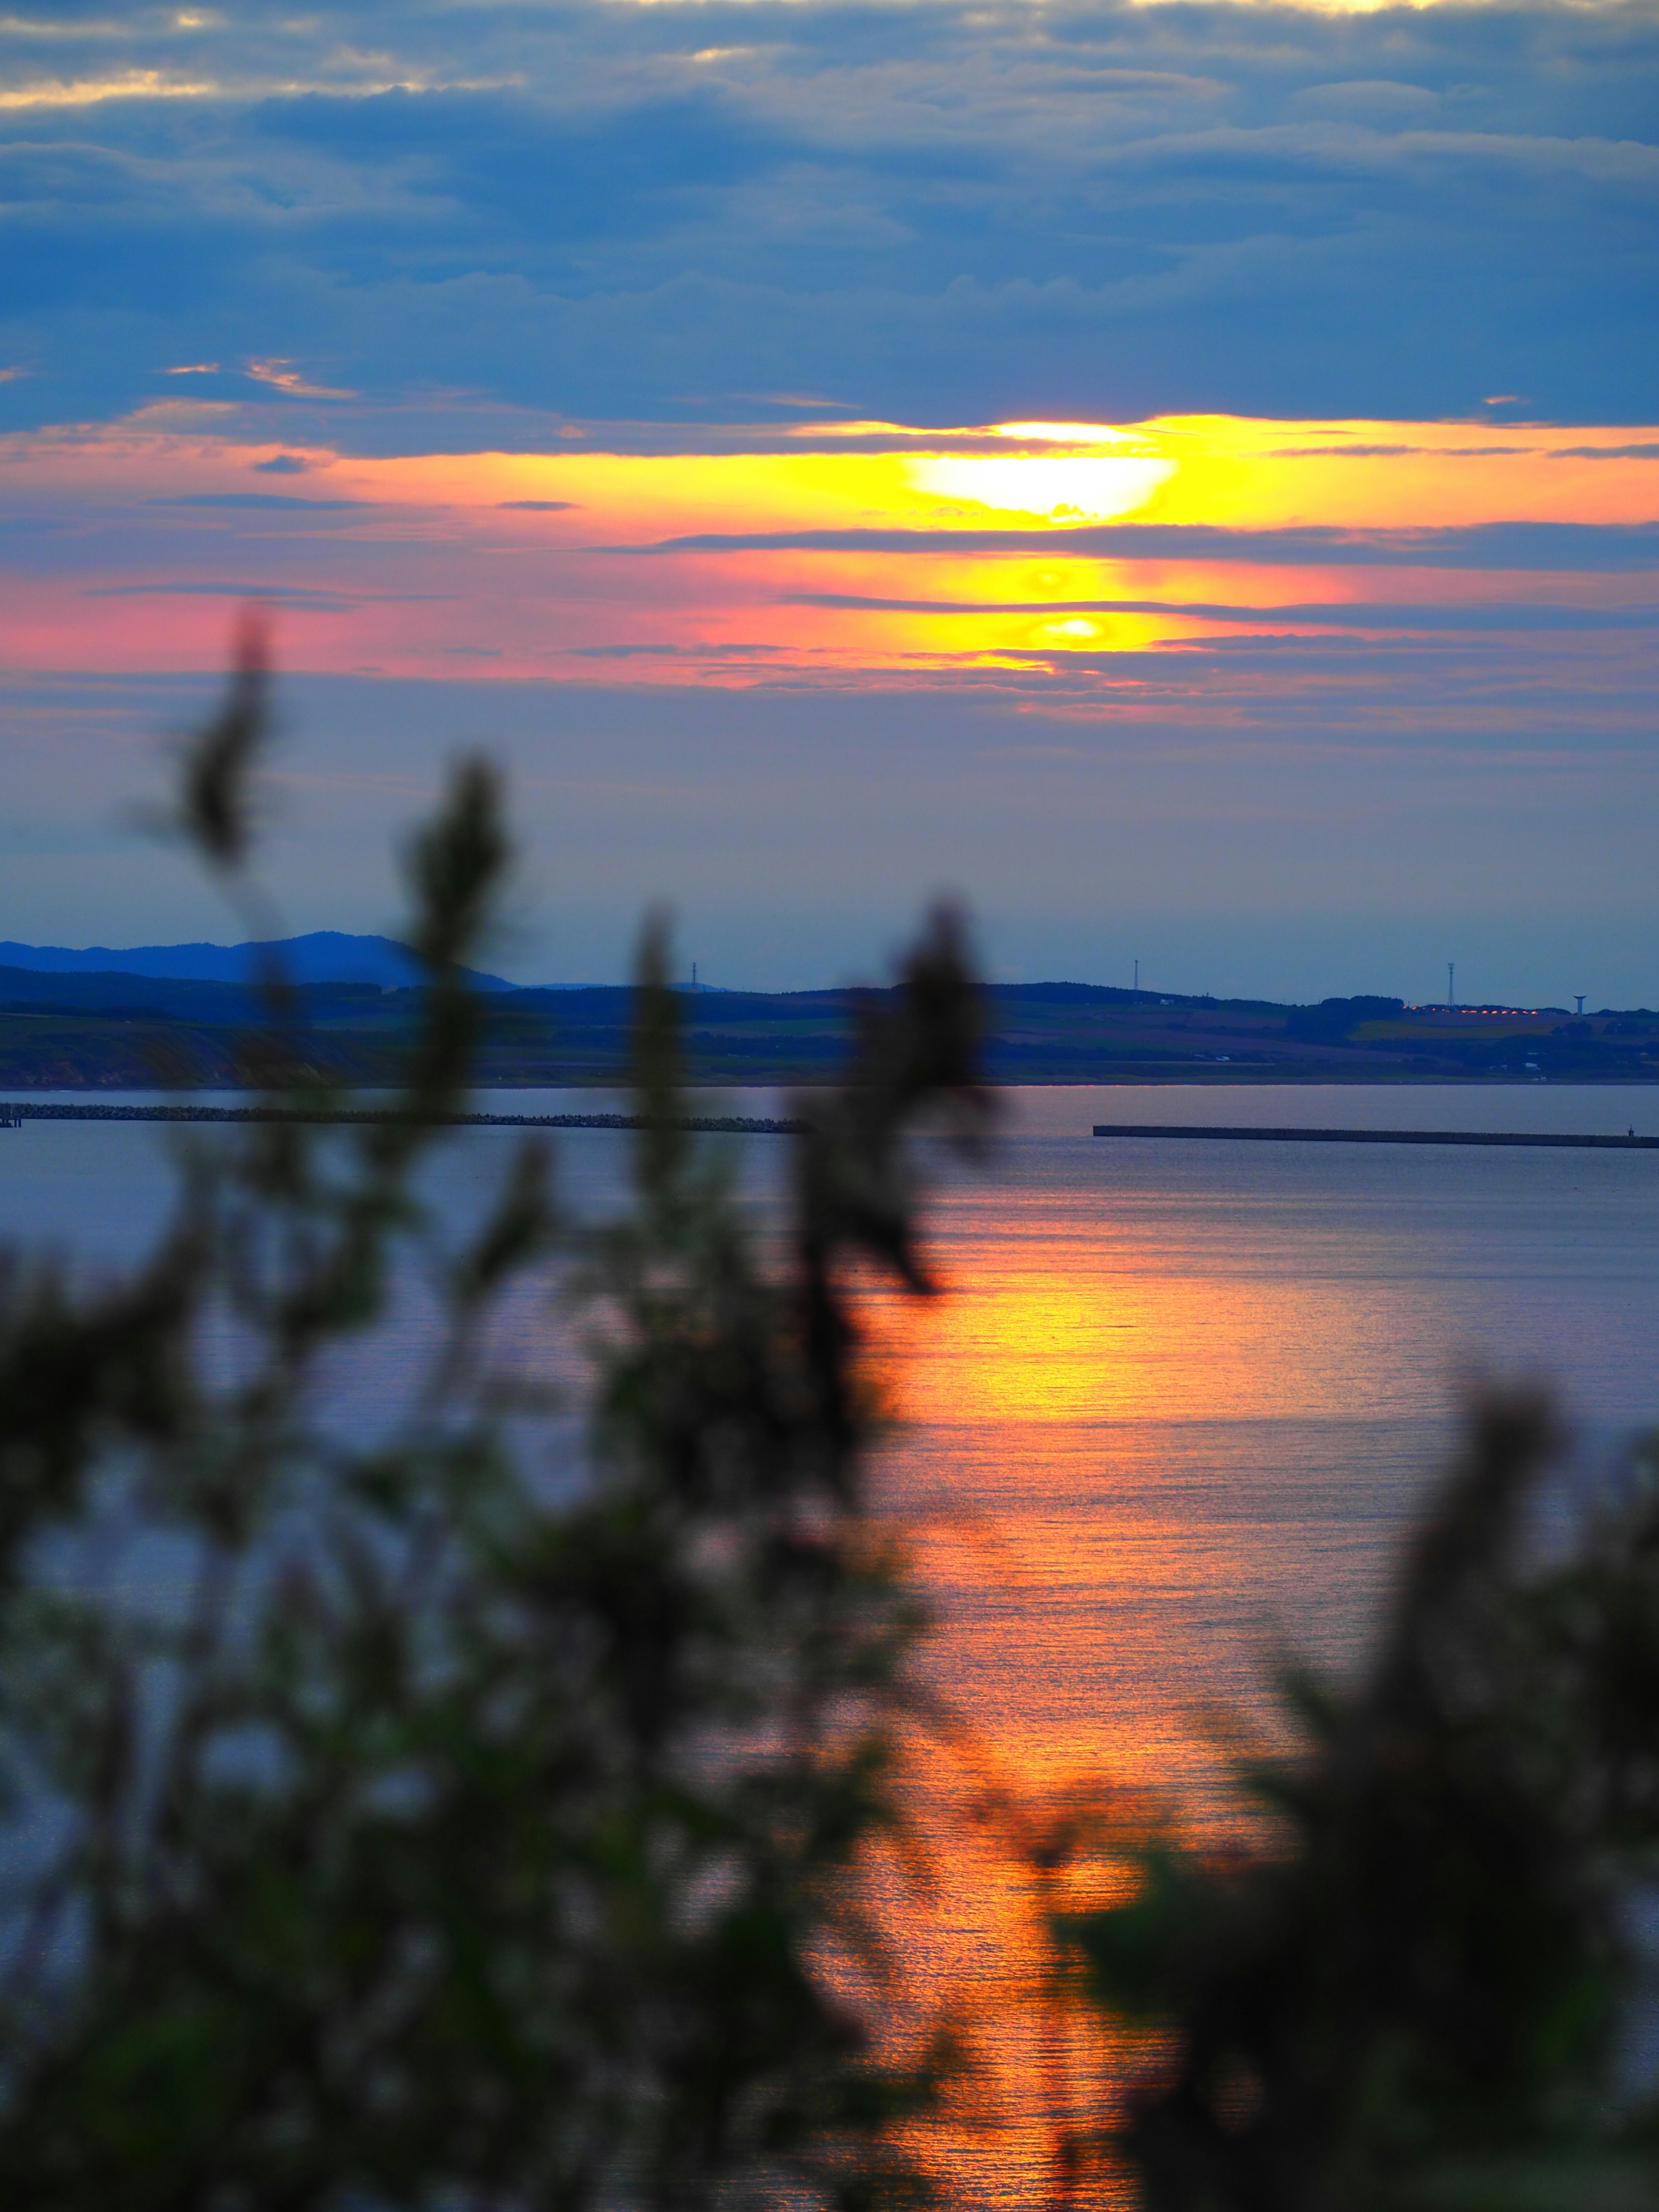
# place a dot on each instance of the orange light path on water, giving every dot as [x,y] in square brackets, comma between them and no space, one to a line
[869,550]
[1059,1480]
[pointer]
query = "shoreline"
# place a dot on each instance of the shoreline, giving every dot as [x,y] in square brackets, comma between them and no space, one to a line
[1197,1080]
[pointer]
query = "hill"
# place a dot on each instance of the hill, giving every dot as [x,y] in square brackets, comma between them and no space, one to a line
[114,1032]
[326,956]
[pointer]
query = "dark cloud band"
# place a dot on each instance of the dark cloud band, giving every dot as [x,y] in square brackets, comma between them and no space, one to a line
[1564,546]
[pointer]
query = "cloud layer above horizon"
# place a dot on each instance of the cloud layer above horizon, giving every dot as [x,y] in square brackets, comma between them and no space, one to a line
[1237,421]
[1249,570]
[947,212]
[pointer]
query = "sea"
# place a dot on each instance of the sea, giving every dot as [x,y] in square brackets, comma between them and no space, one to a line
[1168,1417]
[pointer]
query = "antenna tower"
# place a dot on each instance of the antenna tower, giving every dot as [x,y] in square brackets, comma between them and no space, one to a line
[1451,982]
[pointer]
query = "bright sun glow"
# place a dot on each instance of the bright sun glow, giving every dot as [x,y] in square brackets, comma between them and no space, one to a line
[1073,488]
[1064,433]
[914,551]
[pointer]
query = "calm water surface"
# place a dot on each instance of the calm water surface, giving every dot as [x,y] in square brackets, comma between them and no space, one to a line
[1179,1402]
[1184,1394]
[1178,1410]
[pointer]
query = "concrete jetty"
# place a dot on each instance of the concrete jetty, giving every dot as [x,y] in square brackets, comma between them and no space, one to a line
[14,1112]
[1514,1138]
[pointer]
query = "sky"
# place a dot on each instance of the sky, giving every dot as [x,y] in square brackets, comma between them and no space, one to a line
[1183,479]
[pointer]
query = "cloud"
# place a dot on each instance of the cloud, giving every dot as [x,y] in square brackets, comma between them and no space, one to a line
[1594,547]
[92,91]
[283,376]
[1526,616]
[919,213]
[285,502]
[468,227]
[42,28]
[275,595]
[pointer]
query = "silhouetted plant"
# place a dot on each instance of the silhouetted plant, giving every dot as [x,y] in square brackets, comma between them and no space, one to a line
[1416,1992]
[459,1818]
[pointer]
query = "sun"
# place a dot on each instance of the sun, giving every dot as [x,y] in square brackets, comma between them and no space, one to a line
[1062,488]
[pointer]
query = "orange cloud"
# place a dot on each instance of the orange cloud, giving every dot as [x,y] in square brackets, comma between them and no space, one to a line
[835,555]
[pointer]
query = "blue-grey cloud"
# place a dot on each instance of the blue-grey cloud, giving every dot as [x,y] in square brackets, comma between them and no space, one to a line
[1603,548]
[1348,615]
[255,593]
[278,501]
[928,212]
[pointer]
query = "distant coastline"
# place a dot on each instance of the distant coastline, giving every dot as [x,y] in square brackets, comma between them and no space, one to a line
[112,1031]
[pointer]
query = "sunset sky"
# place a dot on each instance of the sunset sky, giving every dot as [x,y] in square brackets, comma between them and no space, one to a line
[1185,479]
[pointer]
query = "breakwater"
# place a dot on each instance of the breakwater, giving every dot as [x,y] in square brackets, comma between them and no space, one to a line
[1628,1143]
[14,1112]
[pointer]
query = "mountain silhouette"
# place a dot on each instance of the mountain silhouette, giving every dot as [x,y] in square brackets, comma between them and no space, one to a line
[326,956]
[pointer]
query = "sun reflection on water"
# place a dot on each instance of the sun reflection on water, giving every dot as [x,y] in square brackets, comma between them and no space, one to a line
[1067,1478]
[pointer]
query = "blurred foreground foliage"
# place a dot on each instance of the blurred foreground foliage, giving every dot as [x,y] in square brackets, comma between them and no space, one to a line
[464,1818]
[458,1820]
[1427,1990]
